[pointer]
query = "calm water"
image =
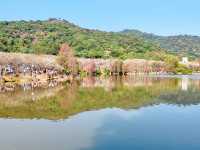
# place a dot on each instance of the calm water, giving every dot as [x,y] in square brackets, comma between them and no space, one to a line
[140,113]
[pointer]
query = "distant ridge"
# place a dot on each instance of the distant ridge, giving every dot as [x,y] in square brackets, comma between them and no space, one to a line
[183,45]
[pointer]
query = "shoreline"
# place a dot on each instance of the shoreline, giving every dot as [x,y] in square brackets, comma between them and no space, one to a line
[27,83]
[45,70]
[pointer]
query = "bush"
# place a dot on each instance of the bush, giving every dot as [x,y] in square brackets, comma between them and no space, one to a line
[182,69]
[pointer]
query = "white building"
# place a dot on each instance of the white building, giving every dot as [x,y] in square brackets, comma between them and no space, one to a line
[184,60]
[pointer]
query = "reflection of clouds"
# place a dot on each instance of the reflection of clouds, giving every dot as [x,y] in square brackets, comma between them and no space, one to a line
[124,114]
[75,133]
[106,129]
[158,127]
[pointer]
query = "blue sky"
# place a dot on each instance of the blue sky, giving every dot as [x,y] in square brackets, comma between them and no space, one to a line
[163,17]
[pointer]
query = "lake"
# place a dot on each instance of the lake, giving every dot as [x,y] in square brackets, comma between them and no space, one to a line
[129,113]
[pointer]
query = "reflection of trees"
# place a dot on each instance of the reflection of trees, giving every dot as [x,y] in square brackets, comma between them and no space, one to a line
[190,97]
[129,81]
[95,93]
[20,97]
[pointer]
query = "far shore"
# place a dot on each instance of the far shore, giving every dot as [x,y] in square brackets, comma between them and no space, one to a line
[39,70]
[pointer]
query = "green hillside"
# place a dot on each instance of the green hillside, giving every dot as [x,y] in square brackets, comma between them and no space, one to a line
[182,45]
[46,37]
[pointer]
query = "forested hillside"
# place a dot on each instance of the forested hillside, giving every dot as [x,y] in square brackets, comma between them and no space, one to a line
[47,36]
[182,45]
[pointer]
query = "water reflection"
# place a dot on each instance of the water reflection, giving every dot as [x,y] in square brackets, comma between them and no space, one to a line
[102,114]
[184,83]
[61,101]
[158,127]
[12,86]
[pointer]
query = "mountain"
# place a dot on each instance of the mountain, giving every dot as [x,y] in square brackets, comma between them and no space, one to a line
[46,37]
[182,45]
